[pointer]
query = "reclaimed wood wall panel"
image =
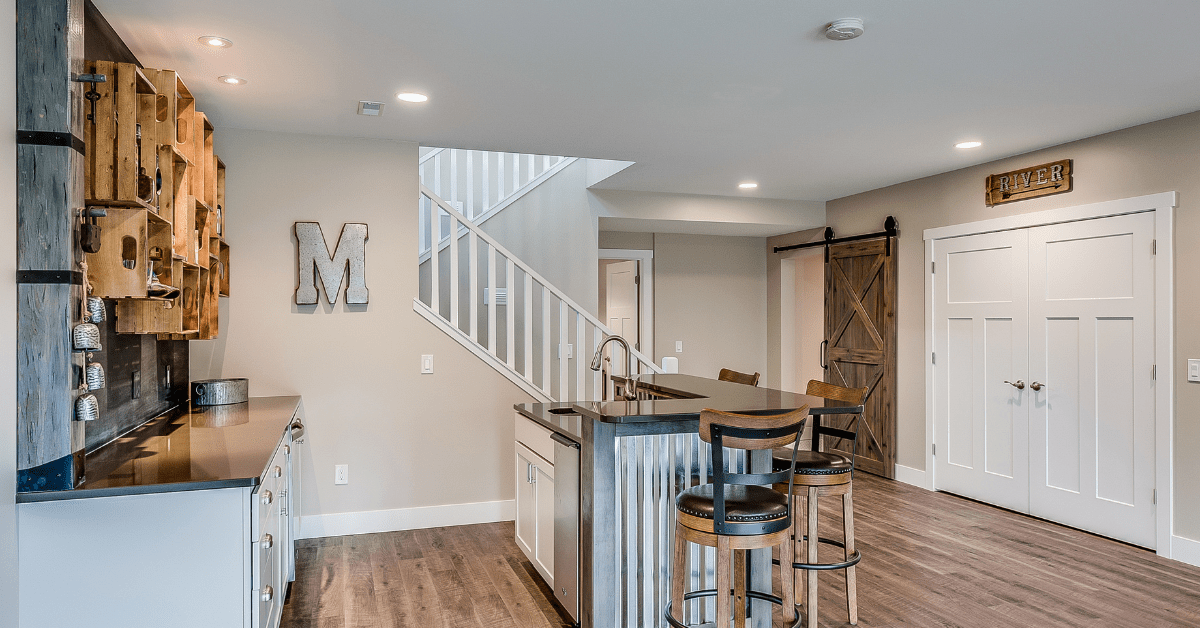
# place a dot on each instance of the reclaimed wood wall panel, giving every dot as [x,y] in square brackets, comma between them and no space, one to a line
[49,189]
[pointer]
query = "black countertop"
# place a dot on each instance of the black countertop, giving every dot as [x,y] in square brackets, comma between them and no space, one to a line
[664,416]
[203,447]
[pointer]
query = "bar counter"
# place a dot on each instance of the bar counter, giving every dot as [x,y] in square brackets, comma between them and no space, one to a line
[187,449]
[636,456]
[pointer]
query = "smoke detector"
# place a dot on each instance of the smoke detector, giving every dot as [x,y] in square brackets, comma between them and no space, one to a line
[368,108]
[845,28]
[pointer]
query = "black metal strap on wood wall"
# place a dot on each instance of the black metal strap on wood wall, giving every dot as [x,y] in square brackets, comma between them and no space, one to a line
[890,230]
[50,276]
[51,138]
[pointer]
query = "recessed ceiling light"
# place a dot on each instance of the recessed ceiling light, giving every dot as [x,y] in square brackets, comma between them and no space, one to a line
[843,29]
[412,97]
[231,79]
[747,185]
[215,42]
[968,145]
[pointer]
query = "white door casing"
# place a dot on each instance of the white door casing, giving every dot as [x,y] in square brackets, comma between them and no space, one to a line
[980,333]
[1091,350]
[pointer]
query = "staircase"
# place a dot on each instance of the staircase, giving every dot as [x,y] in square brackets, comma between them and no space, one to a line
[480,184]
[489,301]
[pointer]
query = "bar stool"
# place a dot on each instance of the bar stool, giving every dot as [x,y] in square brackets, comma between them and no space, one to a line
[730,375]
[823,473]
[737,512]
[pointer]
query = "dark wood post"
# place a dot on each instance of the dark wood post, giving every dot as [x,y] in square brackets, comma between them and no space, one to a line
[50,169]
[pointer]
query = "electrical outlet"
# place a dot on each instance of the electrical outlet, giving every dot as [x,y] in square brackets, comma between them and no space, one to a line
[426,364]
[678,346]
[341,474]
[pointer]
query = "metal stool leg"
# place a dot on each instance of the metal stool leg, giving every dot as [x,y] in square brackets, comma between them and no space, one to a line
[851,580]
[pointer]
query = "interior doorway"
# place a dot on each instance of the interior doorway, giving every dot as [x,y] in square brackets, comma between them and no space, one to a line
[626,295]
[802,318]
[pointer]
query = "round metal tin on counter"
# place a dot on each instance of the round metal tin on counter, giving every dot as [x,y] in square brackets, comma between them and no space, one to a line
[219,392]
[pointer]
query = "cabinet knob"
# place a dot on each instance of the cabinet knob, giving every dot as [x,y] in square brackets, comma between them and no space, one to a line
[278,472]
[268,541]
[266,498]
[267,593]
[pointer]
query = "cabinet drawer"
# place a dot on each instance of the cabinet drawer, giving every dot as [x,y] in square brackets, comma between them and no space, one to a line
[535,437]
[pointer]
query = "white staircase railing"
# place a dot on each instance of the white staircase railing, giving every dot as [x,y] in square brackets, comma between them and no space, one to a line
[503,311]
[479,184]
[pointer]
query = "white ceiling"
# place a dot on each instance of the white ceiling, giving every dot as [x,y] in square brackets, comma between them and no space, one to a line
[701,94]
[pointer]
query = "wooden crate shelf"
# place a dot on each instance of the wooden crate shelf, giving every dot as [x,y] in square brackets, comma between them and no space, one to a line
[220,207]
[224,268]
[171,220]
[121,269]
[114,154]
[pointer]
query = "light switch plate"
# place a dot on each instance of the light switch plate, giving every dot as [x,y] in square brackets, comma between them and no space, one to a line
[426,364]
[678,346]
[1193,370]
[568,354]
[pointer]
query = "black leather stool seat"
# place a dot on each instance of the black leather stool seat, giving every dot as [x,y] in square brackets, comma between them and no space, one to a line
[742,503]
[812,462]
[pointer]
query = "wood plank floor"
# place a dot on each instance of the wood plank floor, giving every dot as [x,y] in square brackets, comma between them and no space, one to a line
[929,559]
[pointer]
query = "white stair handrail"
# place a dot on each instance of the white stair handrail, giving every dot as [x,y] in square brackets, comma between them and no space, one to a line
[532,273]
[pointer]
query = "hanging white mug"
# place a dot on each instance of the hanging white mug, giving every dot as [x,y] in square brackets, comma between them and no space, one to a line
[95,308]
[94,374]
[87,408]
[86,337]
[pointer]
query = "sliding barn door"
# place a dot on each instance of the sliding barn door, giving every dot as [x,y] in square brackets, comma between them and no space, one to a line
[860,329]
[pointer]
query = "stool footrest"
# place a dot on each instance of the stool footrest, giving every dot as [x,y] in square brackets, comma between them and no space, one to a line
[757,595]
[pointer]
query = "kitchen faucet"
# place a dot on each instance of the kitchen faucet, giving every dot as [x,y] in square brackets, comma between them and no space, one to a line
[630,392]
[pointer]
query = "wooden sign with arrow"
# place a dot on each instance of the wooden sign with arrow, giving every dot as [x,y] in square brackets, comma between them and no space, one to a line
[1019,185]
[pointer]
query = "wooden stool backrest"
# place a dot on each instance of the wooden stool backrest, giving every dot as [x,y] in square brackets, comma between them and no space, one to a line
[749,432]
[852,396]
[730,375]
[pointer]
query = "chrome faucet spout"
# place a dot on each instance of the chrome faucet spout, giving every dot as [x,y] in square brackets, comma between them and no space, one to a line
[630,392]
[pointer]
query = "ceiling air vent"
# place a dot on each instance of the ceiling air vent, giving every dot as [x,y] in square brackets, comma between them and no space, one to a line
[368,108]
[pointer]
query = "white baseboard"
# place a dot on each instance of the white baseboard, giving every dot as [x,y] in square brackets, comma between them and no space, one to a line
[1185,550]
[372,521]
[909,475]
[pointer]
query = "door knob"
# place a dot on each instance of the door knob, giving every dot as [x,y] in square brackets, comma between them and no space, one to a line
[1019,385]
[1036,386]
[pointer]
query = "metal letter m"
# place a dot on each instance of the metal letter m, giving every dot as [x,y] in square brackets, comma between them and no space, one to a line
[315,258]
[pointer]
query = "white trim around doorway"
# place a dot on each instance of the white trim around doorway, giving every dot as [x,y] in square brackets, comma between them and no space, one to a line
[645,293]
[1163,204]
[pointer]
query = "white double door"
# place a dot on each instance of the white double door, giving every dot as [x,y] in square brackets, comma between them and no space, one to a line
[1043,386]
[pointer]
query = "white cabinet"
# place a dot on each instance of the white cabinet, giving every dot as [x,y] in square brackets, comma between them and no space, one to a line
[184,558]
[534,475]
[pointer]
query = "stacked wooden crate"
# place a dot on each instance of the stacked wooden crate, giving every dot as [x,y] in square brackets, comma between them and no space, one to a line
[151,165]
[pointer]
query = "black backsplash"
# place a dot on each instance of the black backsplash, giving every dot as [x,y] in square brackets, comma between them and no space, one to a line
[122,356]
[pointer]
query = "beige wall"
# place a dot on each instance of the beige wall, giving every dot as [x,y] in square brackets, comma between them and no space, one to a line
[627,240]
[410,440]
[711,293]
[1158,157]
[8,324]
